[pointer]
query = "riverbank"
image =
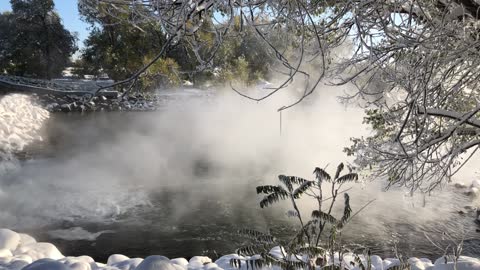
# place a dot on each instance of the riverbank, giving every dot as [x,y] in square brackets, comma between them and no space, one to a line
[21,251]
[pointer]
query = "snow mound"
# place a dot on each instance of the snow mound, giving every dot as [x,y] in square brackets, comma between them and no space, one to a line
[20,121]
[22,252]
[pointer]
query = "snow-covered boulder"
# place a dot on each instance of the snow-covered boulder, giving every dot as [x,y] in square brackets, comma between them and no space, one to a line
[9,239]
[419,264]
[39,251]
[79,263]
[46,264]
[130,264]
[198,262]
[157,262]
[24,253]
[200,259]
[115,258]
[377,262]
[26,239]
[463,263]
[224,261]
[180,261]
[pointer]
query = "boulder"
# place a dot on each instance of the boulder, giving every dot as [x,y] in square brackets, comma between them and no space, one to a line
[180,261]
[130,264]
[115,258]
[5,253]
[26,239]
[463,263]
[9,239]
[39,251]
[156,262]
[46,264]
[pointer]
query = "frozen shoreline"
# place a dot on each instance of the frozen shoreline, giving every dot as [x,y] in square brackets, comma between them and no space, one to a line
[21,251]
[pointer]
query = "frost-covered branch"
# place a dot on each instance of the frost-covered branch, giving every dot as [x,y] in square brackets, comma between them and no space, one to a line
[416,63]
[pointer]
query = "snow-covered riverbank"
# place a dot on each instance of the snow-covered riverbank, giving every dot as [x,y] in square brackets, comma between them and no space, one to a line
[21,251]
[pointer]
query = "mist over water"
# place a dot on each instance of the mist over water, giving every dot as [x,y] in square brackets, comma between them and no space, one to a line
[197,162]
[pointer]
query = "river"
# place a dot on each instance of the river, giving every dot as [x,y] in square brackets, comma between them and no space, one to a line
[181,181]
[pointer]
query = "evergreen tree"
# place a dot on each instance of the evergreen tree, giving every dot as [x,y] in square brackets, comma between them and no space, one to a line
[34,41]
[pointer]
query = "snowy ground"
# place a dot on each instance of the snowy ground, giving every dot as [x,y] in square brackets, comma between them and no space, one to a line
[21,251]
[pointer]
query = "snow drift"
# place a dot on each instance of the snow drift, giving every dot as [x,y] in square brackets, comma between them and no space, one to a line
[21,251]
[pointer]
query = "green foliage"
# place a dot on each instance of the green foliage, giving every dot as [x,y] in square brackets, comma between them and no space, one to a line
[322,216]
[375,119]
[33,41]
[383,131]
[119,48]
[243,57]
[316,238]
[163,72]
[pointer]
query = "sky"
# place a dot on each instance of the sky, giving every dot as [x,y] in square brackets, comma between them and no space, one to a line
[68,10]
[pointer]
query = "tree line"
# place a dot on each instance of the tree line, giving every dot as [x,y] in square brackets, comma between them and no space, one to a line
[413,64]
[34,43]
[33,40]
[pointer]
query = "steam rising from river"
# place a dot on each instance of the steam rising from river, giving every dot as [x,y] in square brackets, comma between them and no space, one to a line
[218,147]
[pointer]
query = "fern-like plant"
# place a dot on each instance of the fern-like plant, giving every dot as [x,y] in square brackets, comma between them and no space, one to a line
[317,236]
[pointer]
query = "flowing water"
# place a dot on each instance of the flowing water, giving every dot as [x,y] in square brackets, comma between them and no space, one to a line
[181,181]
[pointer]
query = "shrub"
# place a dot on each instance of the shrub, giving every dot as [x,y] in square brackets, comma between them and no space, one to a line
[315,241]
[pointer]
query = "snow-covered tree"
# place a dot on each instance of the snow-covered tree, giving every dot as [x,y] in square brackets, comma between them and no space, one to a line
[415,62]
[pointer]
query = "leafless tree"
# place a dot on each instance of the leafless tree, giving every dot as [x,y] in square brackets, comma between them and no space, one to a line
[415,62]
